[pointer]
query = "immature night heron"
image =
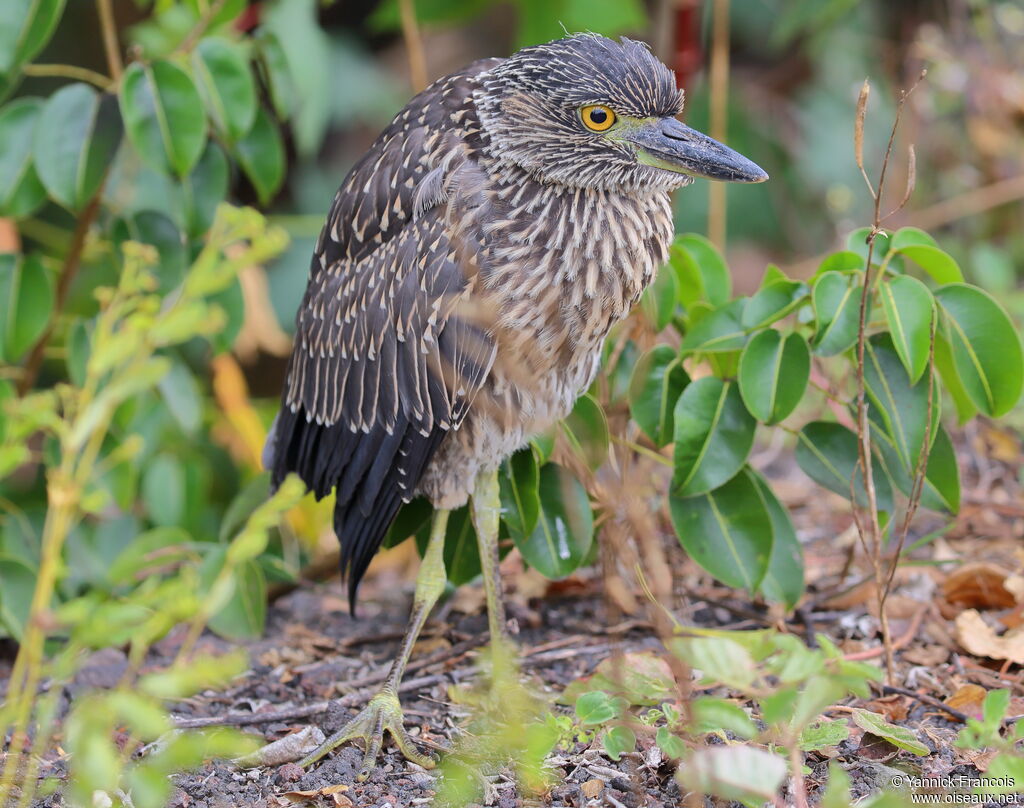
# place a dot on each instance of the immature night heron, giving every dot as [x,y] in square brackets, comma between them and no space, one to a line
[469,270]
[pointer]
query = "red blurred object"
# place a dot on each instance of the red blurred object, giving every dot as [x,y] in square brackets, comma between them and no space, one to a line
[688,53]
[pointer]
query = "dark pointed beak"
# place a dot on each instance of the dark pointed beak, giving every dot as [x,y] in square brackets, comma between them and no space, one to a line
[669,144]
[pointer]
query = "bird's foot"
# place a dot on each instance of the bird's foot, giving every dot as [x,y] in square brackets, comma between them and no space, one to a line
[382,714]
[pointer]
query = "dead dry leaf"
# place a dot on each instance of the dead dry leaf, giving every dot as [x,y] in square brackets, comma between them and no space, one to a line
[927,655]
[978,638]
[592,788]
[284,750]
[968,699]
[979,585]
[335,793]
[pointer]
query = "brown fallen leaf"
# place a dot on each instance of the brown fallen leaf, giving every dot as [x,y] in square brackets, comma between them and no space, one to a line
[335,792]
[927,655]
[284,750]
[968,699]
[979,585]
[592,788]
[978,638]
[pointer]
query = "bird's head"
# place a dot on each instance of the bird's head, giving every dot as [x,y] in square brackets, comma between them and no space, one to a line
[587,111]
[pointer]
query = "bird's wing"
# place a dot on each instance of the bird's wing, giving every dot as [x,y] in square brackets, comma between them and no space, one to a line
[383,366]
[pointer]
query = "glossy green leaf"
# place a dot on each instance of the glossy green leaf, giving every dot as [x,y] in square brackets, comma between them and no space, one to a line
[773,302]
[519,487]
[461,549]
[856,243]
[183,397]
[985,346]
[728,531]
[204,189]
[921,248]
[26,304]
[253,494]
[836,299]
[222,75]
[909,310]
[773,374]
[564,532]
[277,77]
[842,261]
[658,379]
[941,490]
[713,436]
[163,114]
[21,192]
[719,330]
[413,519]
[25,28]
[658,301]
[586,431]
[827,453]
[596,708]
[709,714]
[954,385]
[261,155]
[901,408]
[714,272]
[76,136]
[783,581]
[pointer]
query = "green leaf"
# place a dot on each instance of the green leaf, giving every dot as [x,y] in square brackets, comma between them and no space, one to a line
[658,301]
[564,532]
[944,364]
[735,772]
[713,436]
[586,430]
[827,453]
[822,734]
[519,485]
[658,379]
[273,67]
[843,261]
[618,741]
[836,298]
[163,490]
[461,548]
[245,613]
[672,746]
[253,494]
[25,28]
[941,491]
[715,715]
[783,582]
[204,189]
[772,302]
[157,230]
[921,248]
[727,531]
[719,330]
[183,398]
[261,155]
[721,659]
[857,243]
[222,75]
[897,736]
[901,408]
[985,346]
[596,708]
[773,374]
[714,272]
[163,114]
[17,585]
[26,292]
[909,310]
[76,136]
[21,192]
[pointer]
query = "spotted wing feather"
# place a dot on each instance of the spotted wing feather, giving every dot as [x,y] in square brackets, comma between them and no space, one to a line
[384,365]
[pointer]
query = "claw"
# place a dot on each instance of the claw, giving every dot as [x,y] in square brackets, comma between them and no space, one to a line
[382,714]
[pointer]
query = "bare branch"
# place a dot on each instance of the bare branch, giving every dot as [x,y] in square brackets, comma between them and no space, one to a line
[858,133]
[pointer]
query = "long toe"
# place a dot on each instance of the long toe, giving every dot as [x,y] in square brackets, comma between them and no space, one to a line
[382,714]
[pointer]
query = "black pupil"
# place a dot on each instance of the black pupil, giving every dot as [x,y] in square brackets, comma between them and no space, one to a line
[598,116]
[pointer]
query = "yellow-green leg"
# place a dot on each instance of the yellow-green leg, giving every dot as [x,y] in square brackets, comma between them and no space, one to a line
[486,512]
[384,712]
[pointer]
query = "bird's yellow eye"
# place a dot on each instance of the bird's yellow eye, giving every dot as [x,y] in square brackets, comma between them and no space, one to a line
[597,117]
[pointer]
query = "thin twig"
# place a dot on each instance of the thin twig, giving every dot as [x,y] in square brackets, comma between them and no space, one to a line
[67,275]
[69,72]
[192,37]
[890,690]
[110,44]
[413,45]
